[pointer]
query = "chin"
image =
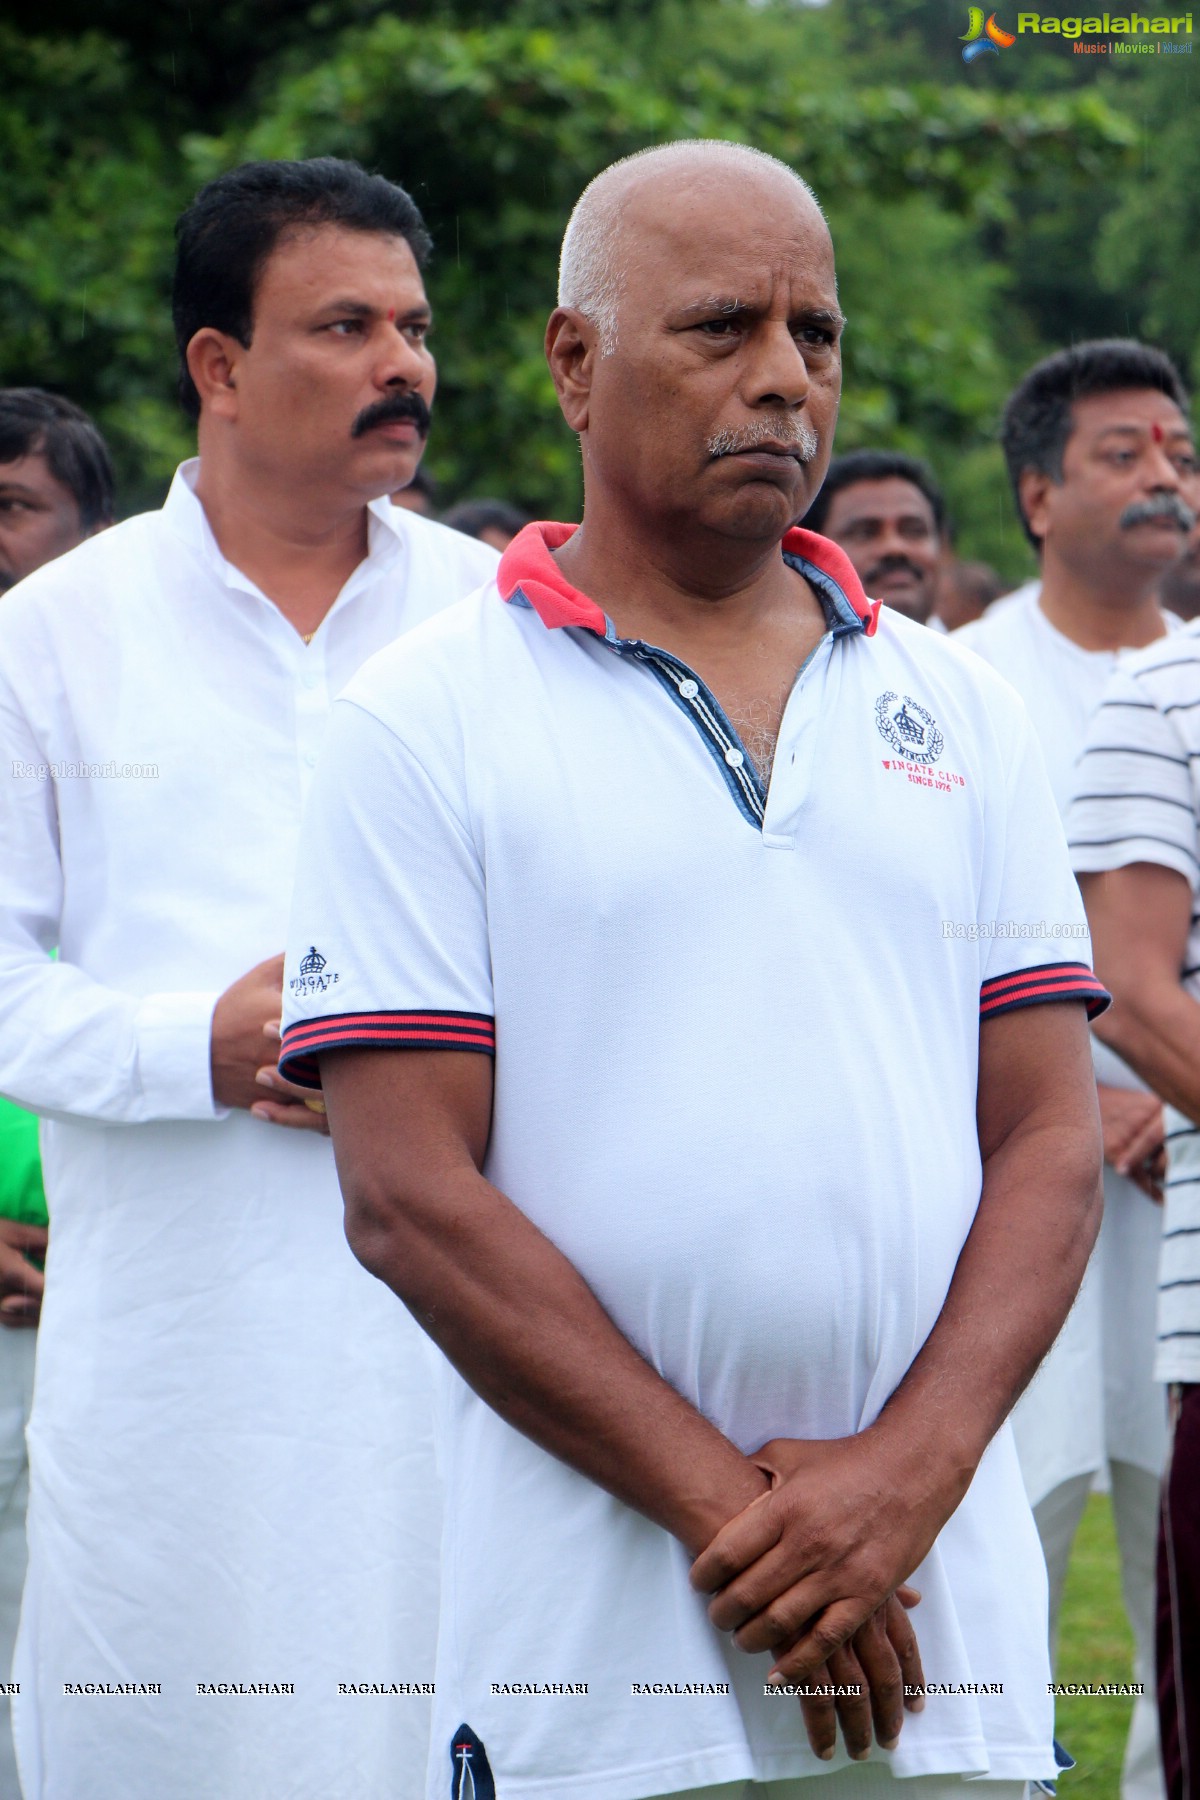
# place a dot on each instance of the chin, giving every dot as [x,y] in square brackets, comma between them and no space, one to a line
[760,513]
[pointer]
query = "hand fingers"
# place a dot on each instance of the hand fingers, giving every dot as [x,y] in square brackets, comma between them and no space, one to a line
[753,1592]
[908,1595]
[269,1077]
[882,1673]
[853,1701]
[295,1116]
[753,1532]
[273,1029]
[18,1277]
[817,1711]
[823,1637]
[1141,1144]
[23,1237]
[17,1314]
[903,1640]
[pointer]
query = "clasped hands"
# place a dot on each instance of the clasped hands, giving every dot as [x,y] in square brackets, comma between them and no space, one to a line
[814,1570]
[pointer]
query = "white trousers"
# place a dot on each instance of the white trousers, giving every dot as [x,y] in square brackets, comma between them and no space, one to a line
[16,1392]
[864,1781]
[1135,1510]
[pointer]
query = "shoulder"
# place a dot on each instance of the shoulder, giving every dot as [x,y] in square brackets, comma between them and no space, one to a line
[476,562]
[1004,628]
[437,670]
[95,577]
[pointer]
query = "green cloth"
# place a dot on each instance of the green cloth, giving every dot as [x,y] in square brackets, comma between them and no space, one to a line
[21,1193]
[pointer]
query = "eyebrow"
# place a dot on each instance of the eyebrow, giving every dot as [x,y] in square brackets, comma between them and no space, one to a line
[729,304]
[1131,430]
[362,309]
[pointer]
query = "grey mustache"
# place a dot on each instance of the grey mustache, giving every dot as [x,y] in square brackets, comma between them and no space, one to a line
[1159,506]
[797,433]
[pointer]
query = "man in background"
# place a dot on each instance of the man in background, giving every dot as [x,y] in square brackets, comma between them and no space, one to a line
[1180,589]
[56,480]
[1100,456]
[887,513]
[965,590]
[494,522]
[233,1505]
[56,488]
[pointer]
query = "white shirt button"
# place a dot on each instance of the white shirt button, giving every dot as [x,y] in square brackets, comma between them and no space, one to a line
[309,678]
[311,759]
[734,758]
[689,689]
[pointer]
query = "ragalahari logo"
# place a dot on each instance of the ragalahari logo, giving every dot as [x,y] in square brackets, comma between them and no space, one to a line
[980,39]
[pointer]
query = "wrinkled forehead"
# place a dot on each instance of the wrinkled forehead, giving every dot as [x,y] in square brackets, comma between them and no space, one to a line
[739,234]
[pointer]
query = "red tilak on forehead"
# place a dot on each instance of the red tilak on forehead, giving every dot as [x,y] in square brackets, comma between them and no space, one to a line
[392,315]
[1157,433]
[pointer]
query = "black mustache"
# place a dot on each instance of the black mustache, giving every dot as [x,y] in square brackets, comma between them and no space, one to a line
[392,411]
[887,565]
[1159,506]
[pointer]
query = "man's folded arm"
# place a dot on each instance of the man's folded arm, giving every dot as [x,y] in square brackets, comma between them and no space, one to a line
[850,1519]
[69,1046]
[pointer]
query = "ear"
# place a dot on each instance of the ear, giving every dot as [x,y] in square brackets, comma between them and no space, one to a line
[1035,489]
[572,347]
[212,358]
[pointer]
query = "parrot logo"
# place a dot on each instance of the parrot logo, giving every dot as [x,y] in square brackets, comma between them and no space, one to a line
[980,39]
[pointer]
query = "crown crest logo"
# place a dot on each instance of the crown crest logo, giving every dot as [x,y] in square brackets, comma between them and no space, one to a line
[313,963]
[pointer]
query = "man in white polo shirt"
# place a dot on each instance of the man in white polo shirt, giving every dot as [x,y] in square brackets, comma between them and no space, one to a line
[233,1507]
[699,842]
[1100,457]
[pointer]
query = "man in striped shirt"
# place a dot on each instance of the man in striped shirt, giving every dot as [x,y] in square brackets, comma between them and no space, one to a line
[1135,836]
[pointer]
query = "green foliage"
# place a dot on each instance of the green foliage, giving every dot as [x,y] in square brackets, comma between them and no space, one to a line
[1095,1645]
[967,205]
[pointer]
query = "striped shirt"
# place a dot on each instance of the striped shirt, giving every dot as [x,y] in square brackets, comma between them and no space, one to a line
[1137,799]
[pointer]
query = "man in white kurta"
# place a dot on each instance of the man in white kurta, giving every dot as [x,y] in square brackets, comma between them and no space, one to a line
[1094,1405]
[234,1515]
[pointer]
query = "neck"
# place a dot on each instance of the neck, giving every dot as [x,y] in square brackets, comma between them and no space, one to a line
[299,550]
[1114,609]
[712,587]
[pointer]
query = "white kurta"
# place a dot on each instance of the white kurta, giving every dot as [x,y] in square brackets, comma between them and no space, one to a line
[1094,1397]
[231,1475]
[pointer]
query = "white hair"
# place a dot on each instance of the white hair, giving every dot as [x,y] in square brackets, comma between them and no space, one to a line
[590,274]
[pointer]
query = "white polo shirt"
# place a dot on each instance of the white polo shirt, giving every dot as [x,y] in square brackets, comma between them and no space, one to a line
[231,1471]
[736,1038]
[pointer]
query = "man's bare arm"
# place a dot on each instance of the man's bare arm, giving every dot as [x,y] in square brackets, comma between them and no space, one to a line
[506,1307]
[524,1329]
[1140,918]
[850,1519]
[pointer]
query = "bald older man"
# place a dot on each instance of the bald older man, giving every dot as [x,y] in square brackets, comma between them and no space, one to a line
[682,1088]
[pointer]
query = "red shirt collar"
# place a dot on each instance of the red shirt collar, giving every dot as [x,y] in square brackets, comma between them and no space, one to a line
[528,567]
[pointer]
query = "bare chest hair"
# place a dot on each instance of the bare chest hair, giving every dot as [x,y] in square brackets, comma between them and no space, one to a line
[754,694]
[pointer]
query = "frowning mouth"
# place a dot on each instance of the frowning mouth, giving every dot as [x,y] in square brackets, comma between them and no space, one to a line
[797,442]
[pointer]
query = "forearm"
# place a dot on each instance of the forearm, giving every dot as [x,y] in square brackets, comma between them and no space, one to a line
[529,1336]
[1013,1286]
[1154,1026]
[71,1047]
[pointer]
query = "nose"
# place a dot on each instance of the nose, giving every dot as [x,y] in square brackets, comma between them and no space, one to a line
[403,362]
[779,373]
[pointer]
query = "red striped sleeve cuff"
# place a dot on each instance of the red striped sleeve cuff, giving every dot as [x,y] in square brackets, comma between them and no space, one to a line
[1049,981]
[305,1042]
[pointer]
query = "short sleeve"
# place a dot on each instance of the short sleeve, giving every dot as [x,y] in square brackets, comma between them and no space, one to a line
[1133,798]
[1037,944]
[388,946]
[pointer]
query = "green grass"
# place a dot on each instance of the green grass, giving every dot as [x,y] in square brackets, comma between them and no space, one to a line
[1095,1644]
